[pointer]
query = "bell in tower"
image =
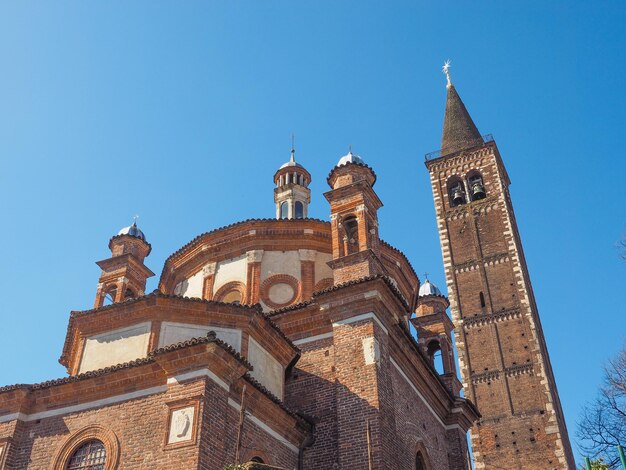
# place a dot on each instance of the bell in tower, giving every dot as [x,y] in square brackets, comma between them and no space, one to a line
[476,187]
[458,196]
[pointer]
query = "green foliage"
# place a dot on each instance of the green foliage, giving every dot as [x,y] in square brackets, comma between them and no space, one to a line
[234,467]
[598,464]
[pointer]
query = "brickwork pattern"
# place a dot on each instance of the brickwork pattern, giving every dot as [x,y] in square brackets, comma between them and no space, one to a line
[503,360]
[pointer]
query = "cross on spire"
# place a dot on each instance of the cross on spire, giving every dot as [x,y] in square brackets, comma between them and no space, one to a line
[446,69]
[293,147]
[135,219]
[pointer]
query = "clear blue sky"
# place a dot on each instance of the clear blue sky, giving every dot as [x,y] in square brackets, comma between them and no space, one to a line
[182,111]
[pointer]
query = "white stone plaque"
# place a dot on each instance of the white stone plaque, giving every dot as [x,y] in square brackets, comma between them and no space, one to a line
[371,350]
[181,425]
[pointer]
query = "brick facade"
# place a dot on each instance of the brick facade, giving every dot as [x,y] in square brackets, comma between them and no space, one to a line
[320,314]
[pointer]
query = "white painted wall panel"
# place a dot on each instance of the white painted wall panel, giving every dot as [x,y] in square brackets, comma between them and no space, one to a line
[322,270]
[280,262]
[267,370]
[172,333]
[191,287]
[231,270]
[115,347]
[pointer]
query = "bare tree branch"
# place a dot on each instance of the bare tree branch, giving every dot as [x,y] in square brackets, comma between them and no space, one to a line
[603,423]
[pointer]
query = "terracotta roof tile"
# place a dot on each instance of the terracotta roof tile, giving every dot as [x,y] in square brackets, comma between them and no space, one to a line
[211,337]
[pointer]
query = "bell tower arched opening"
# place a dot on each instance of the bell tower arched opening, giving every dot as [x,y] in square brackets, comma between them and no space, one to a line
[456,191]
[476,185]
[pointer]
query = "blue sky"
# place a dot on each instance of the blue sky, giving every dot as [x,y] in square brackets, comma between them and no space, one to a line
[182,111]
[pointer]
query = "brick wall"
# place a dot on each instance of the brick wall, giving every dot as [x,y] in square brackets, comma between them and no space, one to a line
[503,360]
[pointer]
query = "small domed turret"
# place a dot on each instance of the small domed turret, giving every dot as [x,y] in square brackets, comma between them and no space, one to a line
[428,288]
[124,274]
[133,231]
[292,194]
[350,158]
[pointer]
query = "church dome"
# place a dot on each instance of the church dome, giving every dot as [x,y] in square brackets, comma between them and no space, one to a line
[133,231]
[428,288]
[350,158]
[290,163]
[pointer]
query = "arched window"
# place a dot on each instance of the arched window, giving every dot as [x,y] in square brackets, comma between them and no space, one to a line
[129,294]
[419,462]
[476,185]
[299,210]
[109,296]
[284,210]
[89,456]
[233,292]
[456,192]
[256,460]
[434,354]
[232,297]
[351,228]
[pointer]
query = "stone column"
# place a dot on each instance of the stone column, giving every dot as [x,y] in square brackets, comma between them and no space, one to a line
[254,275]
[209,280]
[307,273]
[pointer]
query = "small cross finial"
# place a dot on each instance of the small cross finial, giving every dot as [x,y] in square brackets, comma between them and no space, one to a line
[293,147]
[446,69]
[426,276]
[350,148]
[135,219]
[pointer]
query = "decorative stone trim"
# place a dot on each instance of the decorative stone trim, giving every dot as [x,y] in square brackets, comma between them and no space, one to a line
[255,256]
[231,286]
[182,423]
[489,318]
[421,449]
[267,284]
[462,160]
[512,371]
[472,265]
[519,370]
[106,436]
[484,377]
[307,255]
[324,284]
[209,269]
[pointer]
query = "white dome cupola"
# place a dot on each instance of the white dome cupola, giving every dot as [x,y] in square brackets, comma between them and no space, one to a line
[428,288]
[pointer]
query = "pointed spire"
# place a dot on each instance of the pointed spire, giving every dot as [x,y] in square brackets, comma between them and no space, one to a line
[293,149]
[459,131]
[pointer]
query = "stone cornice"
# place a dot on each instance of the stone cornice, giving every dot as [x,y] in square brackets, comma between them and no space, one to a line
[447,162]
[491,375]
[478,207]
[472,265]
[489,318]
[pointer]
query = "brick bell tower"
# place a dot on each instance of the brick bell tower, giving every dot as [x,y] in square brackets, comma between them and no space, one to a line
[503,358]
[354,220]
[124,274]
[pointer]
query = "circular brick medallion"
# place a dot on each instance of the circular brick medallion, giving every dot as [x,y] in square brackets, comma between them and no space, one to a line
[280,290]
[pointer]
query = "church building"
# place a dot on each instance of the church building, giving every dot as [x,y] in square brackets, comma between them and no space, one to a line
[298,343]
